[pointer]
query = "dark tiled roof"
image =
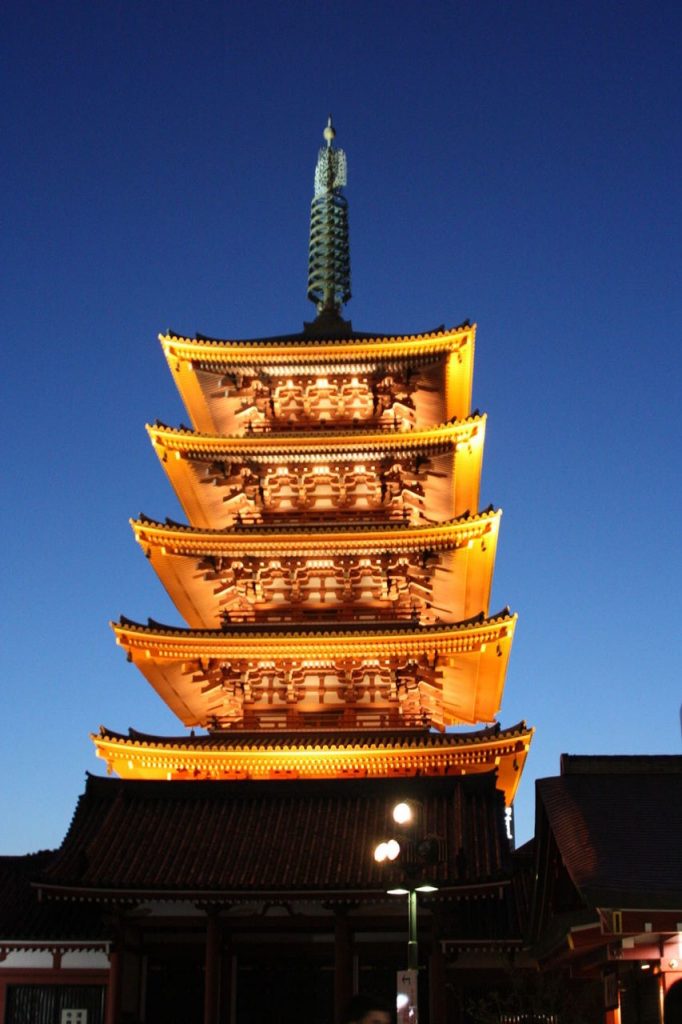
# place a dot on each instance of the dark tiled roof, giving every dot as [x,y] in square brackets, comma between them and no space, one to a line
[318,739]
[523,875]
[621,764]
[216,839]
[311,527]
[23,917]
[313,335]
[618,825]
[350,627]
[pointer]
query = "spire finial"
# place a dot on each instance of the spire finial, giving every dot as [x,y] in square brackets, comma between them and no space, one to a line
[329,252]
[329,132]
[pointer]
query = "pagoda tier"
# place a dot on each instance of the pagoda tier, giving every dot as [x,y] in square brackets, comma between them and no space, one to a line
[428,475]
[353,674]
[318,754]
[410,382]
[285,573]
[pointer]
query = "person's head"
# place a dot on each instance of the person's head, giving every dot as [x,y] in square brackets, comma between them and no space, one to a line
[364,1009]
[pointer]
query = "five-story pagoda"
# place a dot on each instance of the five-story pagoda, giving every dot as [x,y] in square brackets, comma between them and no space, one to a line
[335,571]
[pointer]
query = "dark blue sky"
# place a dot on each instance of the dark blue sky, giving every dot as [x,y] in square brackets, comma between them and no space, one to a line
[514,163]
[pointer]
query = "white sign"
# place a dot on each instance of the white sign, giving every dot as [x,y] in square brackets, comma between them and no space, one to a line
[74,1017]
[406,1001]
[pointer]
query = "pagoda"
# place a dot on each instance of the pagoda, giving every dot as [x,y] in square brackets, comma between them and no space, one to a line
[335,570]
[338,656]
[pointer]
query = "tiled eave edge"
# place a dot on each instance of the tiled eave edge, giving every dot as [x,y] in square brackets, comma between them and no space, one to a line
[216,352]
[192,443]
[177,643]
[54,946]
[370,893]
[179,539]
[429,743]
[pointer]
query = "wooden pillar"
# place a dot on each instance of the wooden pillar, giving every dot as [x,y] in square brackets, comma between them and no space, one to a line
[113,1007]
[437,1000]
[661,998]
[343,964]
[227,982]
[212,968]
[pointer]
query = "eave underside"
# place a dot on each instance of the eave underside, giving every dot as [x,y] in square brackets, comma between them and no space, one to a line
[352,674]
[432,476]
[437,572]
[226,386]
[319,754]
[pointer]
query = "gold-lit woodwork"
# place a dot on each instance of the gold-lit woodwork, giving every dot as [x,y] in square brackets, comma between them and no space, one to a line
[336,572]
[224,385]
[418,476]
[318,755]
[443,571]
[435,675]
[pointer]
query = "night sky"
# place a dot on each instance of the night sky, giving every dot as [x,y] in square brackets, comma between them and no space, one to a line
[517,164]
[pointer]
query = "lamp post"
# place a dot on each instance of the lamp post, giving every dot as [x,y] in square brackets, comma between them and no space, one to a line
[404,814]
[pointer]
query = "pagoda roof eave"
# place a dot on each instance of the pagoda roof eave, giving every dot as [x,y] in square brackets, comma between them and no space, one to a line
[285,755]
[186,539]
[300,632]
[463,665]
[184,455]
[320,738]
[186,441]
[210,373]
[213,349]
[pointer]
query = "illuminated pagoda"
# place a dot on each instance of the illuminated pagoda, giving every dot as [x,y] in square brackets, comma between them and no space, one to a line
[334,574]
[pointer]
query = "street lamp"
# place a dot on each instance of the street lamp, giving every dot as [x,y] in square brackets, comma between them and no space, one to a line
[418,853]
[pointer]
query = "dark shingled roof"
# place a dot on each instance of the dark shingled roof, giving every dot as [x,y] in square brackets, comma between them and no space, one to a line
[312,527]
[617,822]
[216,839]
[338,627]
[24,918]
[324,330]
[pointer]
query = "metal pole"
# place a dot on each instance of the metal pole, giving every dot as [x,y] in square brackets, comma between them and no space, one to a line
[412,950]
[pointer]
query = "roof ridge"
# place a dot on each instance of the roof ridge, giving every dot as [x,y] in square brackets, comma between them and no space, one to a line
[245,530]
[353,626]
[303,337]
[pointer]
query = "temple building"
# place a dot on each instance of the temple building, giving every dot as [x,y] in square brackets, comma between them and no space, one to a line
[337,654]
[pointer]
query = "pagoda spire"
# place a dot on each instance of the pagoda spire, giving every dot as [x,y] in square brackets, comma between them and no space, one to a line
[329,252]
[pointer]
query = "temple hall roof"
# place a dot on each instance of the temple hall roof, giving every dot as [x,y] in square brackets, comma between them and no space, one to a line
[23,918]
[617,822]
[222,840]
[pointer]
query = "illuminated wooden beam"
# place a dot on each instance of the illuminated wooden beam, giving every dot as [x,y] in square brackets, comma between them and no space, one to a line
[198,366]
[456,558]
[458,670]
[319,754]
[199,466]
